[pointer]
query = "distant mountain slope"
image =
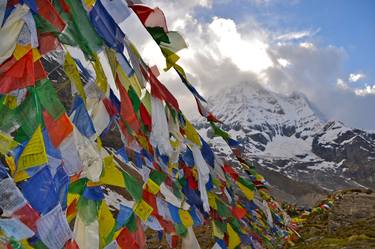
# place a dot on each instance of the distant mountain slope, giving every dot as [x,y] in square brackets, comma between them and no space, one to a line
[287,135]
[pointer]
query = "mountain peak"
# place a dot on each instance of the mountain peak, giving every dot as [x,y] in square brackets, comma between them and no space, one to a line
[288,135]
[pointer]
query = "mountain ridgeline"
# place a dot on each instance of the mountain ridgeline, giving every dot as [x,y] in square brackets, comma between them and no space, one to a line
[287,138]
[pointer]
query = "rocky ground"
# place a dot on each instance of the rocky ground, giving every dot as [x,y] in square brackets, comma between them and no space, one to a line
[349,223]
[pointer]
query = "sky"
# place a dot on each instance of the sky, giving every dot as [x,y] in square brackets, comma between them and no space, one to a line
[321,48]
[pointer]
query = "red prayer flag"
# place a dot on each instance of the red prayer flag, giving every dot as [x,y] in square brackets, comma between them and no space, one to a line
[230,171]
[58,129]
[125,240]
[142,12]
[47,42]
[146,118]
[48,12]
[127,110]
[239,212]
[20,75]
[28,216]
[159,91]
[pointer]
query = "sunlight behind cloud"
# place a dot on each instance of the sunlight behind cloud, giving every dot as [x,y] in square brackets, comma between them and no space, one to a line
[248,55]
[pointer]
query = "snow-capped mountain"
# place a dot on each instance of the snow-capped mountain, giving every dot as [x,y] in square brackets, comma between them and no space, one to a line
[286,134]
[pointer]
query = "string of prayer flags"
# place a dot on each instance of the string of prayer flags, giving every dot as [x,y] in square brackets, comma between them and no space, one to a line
[121,160]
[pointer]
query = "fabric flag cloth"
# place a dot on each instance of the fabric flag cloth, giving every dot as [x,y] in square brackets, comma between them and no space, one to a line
[81,118]
[34,153]
[49,100]
[16,229]
[100,117]
[111,174]
[106,223]
[70,69]
[159,136]
[40,191]
[86,37]
[204,172]
[117,9]
[6,143]
[53,228]
[11,197]
[10,31]
[59,129]
[233,240]
[70,156]
[106,27]
[86,235]
[190,241]
[20,75]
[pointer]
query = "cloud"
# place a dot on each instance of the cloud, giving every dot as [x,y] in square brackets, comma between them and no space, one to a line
[368,90]
[341,84]
[223,52]
[297,35]
[355,77]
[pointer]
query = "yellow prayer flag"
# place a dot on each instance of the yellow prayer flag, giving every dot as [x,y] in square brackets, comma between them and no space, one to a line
[36,54]
[191,133]
[216,232]
[25,244]
[143,210]
[20,176]
[152,187]
[6,143]
[180,70]
[11,164]
[101,79]
[185,218]
[34,154]
[112,60]
[212,200]
[106,223]
[21,50]
[10,101]
[70,69]
[111,175]
[246,191]
[234,240]
[89,3]
[99,143]
[135,84]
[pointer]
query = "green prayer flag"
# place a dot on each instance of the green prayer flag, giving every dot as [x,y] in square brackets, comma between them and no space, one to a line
[219,132]
[133,186]
[77,187]
[88,209]
[222,209]
[180,229]
[158,34]
[134,99]
[158,176]
[132,223]
[246,183]
[88,38]
[49,99]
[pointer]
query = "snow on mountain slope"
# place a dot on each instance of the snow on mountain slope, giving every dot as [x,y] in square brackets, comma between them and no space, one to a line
[287,135]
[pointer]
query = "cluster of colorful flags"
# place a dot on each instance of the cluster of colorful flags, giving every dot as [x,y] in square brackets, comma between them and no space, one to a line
[54,170]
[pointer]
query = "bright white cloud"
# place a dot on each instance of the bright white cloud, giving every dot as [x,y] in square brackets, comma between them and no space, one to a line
[355,77]
[283,62]
[368,90]
[247,54]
